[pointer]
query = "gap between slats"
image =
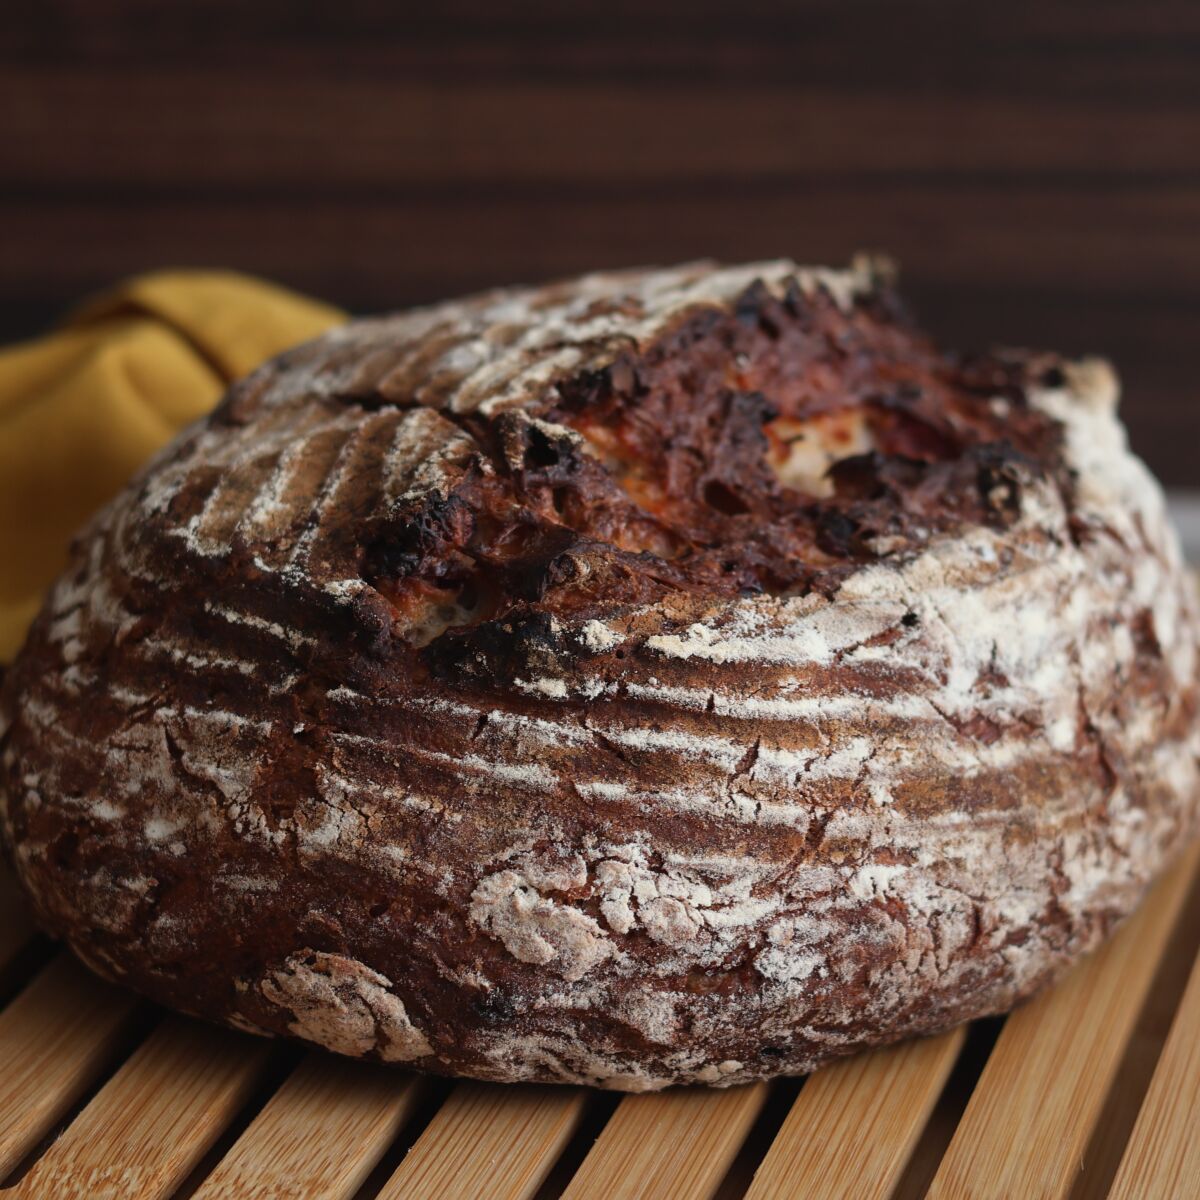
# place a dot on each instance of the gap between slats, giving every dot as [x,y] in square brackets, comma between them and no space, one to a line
[16,928]
[1162,1158]
[943,1120]
[23,949]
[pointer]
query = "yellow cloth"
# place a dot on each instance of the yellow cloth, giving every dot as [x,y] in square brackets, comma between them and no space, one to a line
[82,408]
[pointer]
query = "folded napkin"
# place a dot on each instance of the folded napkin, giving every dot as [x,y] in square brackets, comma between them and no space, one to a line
[82,408]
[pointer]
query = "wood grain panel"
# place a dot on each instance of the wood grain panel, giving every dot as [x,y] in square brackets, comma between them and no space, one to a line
[291,132]
[1026,46]
[394,243]
[1035,166]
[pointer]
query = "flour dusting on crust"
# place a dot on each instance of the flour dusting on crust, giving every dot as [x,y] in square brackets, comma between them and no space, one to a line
[344,1006]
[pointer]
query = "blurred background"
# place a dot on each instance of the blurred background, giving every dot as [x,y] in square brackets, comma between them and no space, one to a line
[1034,167]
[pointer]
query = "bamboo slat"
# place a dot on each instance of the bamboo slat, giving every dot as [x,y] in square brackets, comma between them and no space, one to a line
[318,1136]
[1162,1159]
[489,1142]
[852,1128]
[1027,1124]
[152,1122]
[55,1039]
[1132,1081]
[675,1145]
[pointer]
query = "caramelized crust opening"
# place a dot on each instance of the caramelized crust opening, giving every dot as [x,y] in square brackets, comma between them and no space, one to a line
[775,447]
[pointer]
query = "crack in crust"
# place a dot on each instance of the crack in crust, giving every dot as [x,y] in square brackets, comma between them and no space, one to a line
[681,676]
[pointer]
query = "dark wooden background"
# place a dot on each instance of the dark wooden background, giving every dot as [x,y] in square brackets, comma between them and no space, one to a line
[1034,166]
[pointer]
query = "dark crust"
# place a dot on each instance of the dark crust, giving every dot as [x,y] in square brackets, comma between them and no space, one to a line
[230,757]
[687,501]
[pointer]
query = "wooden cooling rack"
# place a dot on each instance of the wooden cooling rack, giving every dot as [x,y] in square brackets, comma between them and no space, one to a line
[1092,1090]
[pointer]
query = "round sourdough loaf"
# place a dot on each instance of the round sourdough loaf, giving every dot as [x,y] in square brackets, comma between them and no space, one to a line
[660,677]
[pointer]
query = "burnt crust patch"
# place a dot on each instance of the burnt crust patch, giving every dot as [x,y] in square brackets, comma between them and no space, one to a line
[665,471]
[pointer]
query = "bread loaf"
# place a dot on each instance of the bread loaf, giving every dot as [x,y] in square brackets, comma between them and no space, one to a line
[660,677]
